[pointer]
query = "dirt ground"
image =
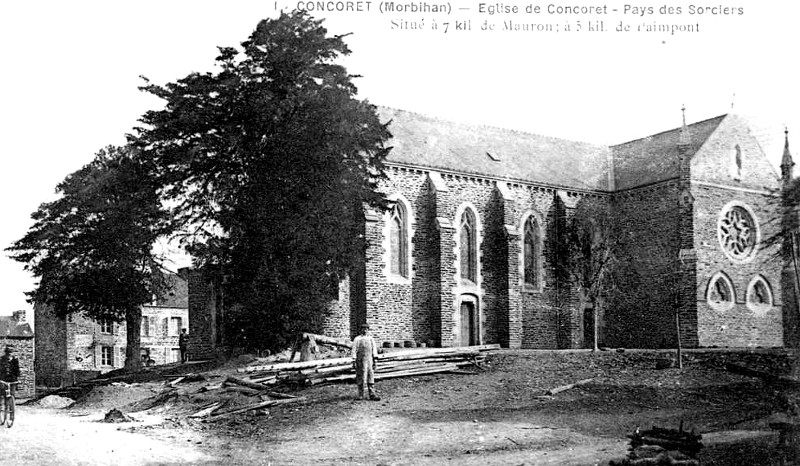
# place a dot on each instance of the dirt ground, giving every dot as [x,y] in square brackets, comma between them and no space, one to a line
[497,415]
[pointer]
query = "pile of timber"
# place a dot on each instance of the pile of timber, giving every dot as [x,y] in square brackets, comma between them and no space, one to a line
[389,365]
[659,446]
[218,408]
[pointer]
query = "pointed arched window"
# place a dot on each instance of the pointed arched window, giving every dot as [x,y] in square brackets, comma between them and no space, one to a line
[759,295]
[398,240]
[530,251]
[720,293]
[468,249]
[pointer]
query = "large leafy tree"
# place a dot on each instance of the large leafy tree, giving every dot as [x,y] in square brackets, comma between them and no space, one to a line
[92,248]
[269,162]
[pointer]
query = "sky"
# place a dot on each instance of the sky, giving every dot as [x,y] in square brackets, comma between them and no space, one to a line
[71,70]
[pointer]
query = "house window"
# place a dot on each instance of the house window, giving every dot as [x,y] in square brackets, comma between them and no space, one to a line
[759,295]
[106,326]
[145,326]
[720,294]
[175,326]
[398,240]
[530,250]
[468,250]
[737,232]
[107,356]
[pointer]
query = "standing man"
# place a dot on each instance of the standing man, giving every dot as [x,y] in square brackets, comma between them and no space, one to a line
[183,343]
[9,369]
[365,352]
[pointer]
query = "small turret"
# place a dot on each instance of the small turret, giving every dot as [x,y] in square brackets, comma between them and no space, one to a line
[787,164]
[685,138]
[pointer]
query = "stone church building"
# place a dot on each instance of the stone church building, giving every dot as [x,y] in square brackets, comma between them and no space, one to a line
[465,254]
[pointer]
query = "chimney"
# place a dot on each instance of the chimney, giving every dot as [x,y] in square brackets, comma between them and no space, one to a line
[19,316]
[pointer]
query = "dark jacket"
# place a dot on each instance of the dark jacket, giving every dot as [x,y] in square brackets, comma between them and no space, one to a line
[9,368]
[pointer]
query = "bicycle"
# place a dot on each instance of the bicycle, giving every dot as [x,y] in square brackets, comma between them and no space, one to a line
[7,405]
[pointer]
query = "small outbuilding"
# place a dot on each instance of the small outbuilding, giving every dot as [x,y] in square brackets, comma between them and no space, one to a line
[17,333]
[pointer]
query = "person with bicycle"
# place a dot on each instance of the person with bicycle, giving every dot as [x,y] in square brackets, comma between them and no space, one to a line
[9,370]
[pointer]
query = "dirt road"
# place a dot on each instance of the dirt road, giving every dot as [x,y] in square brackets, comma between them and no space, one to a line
[53,437]
[495,416]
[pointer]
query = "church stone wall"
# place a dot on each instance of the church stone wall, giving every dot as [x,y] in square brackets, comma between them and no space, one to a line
[741,325]
[426,308]
[642,312]
[337,317]
[390,308]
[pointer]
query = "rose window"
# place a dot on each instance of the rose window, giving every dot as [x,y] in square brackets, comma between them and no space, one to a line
[737,233]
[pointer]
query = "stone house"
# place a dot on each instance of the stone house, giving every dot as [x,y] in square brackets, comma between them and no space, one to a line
[465,255]
[17,333]
[73,348]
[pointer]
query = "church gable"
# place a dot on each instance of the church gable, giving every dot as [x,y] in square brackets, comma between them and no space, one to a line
[732,156]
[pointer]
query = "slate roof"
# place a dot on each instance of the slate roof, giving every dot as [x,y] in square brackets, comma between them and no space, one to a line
[655,158]
[178,293]
[9,327]
[502,153]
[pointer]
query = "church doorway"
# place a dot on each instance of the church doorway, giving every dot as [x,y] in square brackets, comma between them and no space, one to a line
[468,328]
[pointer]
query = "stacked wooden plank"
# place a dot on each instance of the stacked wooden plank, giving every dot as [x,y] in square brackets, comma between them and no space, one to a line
[403,363]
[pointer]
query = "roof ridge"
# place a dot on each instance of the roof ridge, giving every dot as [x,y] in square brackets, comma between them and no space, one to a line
[488,126]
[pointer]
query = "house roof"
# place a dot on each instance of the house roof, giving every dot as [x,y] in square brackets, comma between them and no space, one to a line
[655,158]
[507,154]
[177,293]
[10,327]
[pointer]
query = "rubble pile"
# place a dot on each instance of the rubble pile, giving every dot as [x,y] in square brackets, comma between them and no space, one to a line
[115,416]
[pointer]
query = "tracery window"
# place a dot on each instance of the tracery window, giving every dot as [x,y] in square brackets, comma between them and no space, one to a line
[720,294]
[759,295]
[398,240]
[530,249]
[468,247]
[737,232]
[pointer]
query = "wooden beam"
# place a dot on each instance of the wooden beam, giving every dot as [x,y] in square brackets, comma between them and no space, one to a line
[563,388]
[293,366]
[207,411]
[322,339]
[263,404]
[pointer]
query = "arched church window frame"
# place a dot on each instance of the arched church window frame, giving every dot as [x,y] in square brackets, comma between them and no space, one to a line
[738,232]
[720,293]
[531,253]
[468,246]
[736,162]
[397,246]
[759,296]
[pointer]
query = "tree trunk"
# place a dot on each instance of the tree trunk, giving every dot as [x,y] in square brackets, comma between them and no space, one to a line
[594,324]
[678,331]
[133,325]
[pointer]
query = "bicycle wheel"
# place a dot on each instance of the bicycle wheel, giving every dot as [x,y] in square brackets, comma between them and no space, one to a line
[10,408]
[3,411]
